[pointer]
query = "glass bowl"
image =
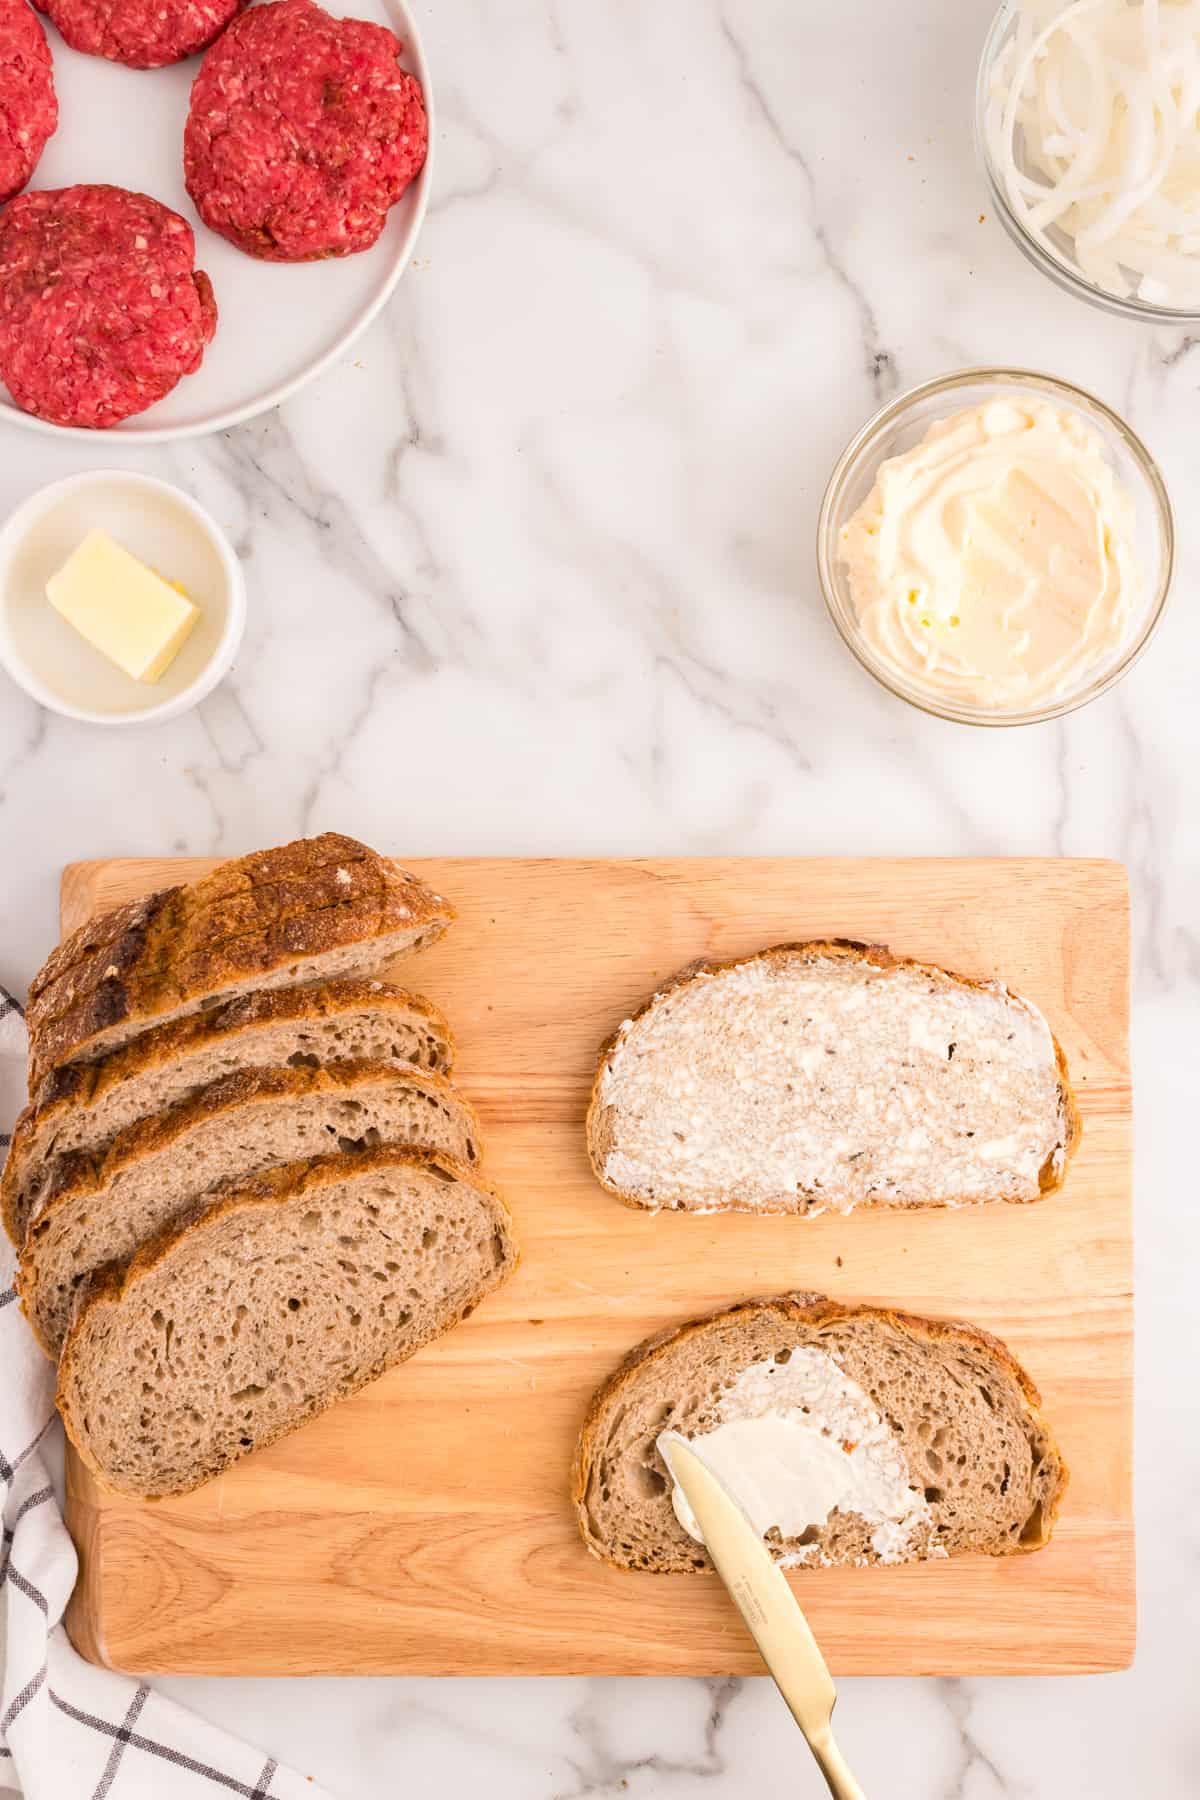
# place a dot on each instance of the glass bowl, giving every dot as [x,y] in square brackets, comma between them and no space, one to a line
[1059,264]
[902,423]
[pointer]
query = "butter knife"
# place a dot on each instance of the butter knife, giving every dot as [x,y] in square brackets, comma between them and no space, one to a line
[769,1607]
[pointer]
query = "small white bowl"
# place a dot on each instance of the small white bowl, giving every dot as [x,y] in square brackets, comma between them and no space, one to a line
[166,529]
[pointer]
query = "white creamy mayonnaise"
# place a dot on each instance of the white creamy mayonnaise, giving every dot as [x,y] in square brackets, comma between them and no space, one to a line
[797,1441]
[994,563]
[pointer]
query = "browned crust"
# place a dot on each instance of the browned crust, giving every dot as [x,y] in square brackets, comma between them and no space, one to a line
[80,1174]
[850,950]
[274,1187]
[248,917]
[810,1310]
[12,1174]
[83,1084]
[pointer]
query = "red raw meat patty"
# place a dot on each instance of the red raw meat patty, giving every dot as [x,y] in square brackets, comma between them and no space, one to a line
[303,130]
[101,311]
[28,109]
[142,34]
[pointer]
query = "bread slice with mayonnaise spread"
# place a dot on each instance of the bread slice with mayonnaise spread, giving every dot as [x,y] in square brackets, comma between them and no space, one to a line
[850,1434]
[825,1076]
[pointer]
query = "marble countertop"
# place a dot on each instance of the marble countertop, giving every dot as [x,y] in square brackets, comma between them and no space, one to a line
[532,572]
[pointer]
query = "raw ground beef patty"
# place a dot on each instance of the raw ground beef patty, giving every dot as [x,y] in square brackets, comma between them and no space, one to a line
[101,311]
[142,34]
[303,131]
[28,109]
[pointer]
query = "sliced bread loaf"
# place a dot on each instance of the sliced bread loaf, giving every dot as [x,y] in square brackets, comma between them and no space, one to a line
[827,1075]
[851,1434]
[261,1310]
[320,907]
[80,1106]
[99,1209]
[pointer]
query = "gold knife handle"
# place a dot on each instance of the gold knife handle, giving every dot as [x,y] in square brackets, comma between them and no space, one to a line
[838,1779]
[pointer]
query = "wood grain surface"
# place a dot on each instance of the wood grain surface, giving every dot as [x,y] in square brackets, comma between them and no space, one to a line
[424,1526]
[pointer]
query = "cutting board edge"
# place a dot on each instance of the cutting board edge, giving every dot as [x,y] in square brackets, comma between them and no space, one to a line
[79,878]
[85,1608]
[1116,1629]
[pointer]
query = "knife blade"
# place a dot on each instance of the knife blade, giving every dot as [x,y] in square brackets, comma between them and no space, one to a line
[761,1594]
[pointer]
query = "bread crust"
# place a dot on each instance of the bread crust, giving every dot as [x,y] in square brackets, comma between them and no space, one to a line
[82,1084]
[807,1309]
[878,956]
[81,1173]
[273,1187]
[252,916]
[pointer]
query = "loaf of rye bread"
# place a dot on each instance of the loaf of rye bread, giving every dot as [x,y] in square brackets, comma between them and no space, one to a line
[321,907]
[830,1075]
[985,1472]
[255,1312]
[83,1106]
[100,1209]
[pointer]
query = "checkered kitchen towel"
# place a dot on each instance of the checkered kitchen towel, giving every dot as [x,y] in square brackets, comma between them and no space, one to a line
[69,1731]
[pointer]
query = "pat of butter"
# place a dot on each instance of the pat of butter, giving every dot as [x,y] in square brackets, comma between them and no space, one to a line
[123,609]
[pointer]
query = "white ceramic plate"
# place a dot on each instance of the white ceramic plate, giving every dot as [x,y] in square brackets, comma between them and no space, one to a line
[280,324]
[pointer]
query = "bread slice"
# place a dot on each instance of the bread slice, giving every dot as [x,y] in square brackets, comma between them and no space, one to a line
[261,1310]
[320,907]
[944,1408]
[99,1209]
[830,1075]
[80,1106]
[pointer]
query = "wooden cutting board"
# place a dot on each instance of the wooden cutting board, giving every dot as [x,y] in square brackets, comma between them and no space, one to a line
[423,1527]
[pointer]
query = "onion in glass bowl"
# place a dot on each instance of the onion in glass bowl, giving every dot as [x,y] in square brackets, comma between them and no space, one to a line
[1088,121]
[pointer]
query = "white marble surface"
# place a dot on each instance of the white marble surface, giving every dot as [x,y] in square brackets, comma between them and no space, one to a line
[534,573]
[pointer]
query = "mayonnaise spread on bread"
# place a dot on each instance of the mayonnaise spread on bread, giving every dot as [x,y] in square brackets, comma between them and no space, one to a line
[812,1080]
[797,1441]
[994,563]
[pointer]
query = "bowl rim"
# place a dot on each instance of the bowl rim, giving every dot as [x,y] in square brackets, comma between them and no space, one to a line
[1058,270]
[998,376]
[21,520]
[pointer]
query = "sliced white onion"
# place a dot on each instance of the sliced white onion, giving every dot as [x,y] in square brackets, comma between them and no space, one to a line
[1105,97]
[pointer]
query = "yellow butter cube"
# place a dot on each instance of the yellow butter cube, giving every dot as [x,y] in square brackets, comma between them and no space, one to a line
[123,609]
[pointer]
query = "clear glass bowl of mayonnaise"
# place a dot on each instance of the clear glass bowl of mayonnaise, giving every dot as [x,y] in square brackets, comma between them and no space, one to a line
[996,547]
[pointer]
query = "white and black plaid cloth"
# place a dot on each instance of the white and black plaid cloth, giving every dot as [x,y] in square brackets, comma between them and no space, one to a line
[69,1731]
